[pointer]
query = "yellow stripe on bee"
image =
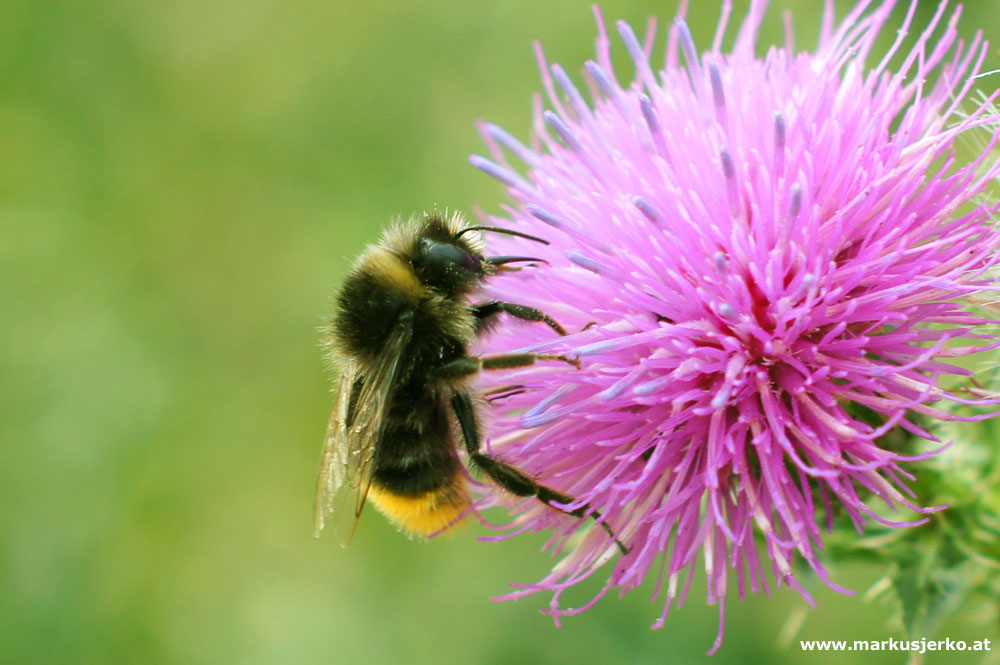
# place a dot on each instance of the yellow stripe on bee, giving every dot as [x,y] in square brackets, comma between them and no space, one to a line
[393,272]
[422,514]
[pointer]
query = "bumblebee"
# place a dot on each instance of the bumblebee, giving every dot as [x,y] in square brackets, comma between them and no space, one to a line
[399,339]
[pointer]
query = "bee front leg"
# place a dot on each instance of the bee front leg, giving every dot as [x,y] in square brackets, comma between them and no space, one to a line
[511,478]
[487,311]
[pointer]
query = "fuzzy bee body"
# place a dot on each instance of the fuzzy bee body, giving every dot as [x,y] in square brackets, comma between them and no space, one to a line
[399,339]
[384,309]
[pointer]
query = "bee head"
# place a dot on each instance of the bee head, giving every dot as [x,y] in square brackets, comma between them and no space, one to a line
[445,261]
[450,266]
[454,265]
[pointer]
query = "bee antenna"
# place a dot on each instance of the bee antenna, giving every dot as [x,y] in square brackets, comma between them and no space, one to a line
[501,260]
[498,229]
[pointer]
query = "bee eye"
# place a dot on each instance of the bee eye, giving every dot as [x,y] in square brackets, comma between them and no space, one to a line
[445,256]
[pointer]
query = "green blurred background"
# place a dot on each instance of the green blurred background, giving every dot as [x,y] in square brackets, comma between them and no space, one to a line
[182,185]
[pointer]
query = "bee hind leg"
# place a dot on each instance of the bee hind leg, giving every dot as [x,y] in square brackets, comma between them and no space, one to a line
[511,478]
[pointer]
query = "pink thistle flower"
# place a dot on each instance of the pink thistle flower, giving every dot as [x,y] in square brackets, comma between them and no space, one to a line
[765,261]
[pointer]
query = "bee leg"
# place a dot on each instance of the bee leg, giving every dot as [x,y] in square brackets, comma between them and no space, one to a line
[456,369]
[508,360]
[501,392]
[486,311]
[511,478]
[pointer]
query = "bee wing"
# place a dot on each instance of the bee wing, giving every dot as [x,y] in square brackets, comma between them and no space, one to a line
[340,459]
[346,466]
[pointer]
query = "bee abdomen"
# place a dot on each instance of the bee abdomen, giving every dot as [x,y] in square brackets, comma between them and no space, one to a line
[418,481]
[409,462]
[425,513]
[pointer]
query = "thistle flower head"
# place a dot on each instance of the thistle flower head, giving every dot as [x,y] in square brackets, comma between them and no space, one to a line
[762,262]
